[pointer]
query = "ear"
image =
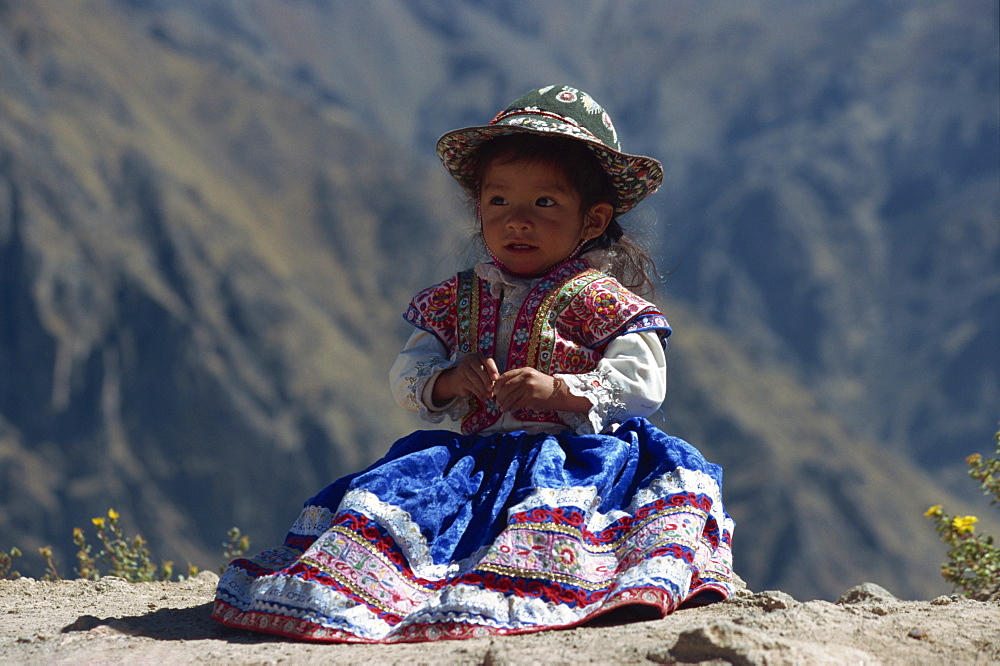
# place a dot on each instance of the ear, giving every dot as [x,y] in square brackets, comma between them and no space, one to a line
[597,219]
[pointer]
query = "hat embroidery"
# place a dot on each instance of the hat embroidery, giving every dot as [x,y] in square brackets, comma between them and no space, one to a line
[567,96]
[608,124]
[590,105]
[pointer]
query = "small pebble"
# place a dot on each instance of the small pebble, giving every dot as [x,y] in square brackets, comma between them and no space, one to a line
[918,634]
[772,600]
[866,592]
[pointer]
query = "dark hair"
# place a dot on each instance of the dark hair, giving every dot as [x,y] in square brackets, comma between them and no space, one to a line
[630,263]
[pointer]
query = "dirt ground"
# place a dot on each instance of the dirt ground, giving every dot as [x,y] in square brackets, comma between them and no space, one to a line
[111,620]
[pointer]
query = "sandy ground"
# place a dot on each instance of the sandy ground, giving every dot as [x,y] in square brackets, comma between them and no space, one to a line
[112,621]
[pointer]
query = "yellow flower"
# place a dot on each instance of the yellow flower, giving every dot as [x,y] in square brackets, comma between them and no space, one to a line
[973,460]
[933,511]
[112,514]
[98,522]
[77,533]
[964,524]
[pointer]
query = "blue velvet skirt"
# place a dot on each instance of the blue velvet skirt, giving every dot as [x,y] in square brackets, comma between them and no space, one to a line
[454,536]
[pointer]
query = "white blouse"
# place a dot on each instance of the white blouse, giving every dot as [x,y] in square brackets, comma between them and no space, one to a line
[631,379]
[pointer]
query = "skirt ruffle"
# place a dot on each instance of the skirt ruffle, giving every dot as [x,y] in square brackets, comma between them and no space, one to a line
[454,536]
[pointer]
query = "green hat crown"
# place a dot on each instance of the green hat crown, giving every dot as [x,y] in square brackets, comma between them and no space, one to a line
[558,111]
[564,110]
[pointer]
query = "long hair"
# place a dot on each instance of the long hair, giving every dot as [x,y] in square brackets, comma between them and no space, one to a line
[631,264]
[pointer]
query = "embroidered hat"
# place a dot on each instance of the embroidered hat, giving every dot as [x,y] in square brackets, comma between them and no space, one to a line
[557,111]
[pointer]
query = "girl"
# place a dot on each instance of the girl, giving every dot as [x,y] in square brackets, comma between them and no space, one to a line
[558,502]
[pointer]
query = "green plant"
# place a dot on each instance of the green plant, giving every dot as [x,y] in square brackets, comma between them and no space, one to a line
[7,561]
[51,572]
[235,546]
[125,557]
[973,560]
[85,565]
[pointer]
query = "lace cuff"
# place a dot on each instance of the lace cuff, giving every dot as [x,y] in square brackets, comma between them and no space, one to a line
[455,409]
[605,395]
[416,392]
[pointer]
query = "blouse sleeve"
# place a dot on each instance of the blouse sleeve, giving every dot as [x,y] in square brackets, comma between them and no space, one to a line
[631,380]
[413,375]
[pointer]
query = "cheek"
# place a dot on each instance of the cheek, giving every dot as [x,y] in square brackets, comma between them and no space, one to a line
[488,231]
[487,225]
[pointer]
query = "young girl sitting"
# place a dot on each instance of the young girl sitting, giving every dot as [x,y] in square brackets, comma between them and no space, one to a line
[559,501]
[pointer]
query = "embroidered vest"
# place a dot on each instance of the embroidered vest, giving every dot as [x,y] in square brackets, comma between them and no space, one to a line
[565,323]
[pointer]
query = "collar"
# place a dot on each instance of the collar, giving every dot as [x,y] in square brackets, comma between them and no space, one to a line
[499,279]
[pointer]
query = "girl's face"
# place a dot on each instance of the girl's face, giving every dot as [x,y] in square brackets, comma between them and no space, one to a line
[531,215]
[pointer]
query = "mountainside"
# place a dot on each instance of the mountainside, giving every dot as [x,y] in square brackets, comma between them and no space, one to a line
[185,310]
[213,212]
[833,169]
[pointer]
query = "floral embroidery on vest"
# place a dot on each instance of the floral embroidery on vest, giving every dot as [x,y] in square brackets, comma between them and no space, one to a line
[563,326]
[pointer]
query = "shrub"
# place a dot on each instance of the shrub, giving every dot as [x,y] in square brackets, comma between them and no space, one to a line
[235,546]
[973,564]
[126,558]
[7,561]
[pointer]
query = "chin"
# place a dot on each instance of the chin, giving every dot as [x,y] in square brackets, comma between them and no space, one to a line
[521,268]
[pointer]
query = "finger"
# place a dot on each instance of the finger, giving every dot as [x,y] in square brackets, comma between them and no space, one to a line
[511,380]
[479,382]
[507,394]
[500,385]
[485,377]
[502,399]
[510,375]
[491,370]
[488,374]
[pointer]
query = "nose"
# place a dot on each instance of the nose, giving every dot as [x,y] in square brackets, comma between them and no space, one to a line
[519,217]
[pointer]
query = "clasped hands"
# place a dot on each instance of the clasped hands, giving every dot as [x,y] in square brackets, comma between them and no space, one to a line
[520,388]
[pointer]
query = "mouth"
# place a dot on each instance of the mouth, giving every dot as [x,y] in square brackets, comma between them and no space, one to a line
[519,247]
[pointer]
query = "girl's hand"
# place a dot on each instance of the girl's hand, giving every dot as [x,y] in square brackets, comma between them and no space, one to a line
[474,375]
[527,388]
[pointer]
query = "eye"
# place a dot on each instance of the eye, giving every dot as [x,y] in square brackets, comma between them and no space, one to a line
[545,202]
[498,201]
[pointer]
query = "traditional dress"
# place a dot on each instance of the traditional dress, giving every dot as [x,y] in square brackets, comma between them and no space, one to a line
[524,521]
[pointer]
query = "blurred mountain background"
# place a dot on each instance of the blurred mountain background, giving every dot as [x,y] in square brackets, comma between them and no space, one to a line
[213,212]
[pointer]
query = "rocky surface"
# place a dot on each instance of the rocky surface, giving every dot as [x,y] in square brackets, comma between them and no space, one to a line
[112,621]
